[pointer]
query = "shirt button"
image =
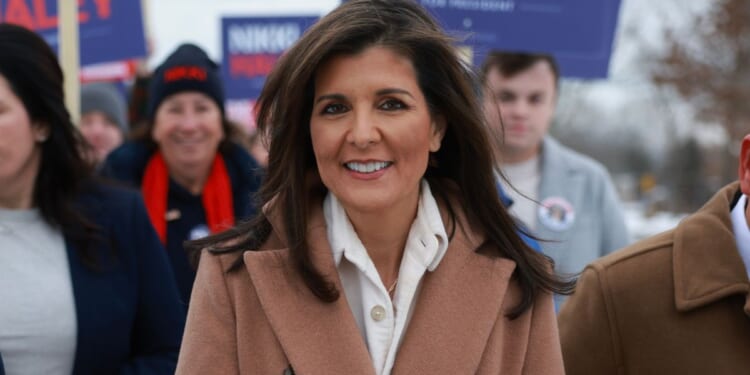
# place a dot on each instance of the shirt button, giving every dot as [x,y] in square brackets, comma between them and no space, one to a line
[377,313]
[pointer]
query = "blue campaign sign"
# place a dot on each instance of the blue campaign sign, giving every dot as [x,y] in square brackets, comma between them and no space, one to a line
[250,48]
[579,33]
[109,30]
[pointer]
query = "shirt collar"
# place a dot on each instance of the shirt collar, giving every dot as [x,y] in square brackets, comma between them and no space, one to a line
[338,226]
[433,229]
[741,230]
[427,228]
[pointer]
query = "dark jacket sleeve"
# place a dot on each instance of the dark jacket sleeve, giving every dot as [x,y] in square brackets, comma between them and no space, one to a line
[160,317]
[126,164]
[587,333]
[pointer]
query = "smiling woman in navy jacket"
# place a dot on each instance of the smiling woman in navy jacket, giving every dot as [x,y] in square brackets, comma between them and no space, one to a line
[188,161]
[84,282]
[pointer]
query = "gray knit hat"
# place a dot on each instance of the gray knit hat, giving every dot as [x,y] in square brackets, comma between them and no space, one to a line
[105,98]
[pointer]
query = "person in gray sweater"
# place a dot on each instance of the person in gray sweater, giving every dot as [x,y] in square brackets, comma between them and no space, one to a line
[84,282]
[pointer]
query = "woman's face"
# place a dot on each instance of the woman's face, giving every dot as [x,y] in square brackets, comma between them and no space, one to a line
[372,130]
[188,130]
[101,133]
[20,147]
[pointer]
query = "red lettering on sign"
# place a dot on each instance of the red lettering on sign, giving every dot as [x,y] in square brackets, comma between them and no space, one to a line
[43,20]
[103,8]
[177,73]
[35,15]
[251,66]
[83,16]
[17,12]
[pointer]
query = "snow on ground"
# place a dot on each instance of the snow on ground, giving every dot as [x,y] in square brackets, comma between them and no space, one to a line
[641,225]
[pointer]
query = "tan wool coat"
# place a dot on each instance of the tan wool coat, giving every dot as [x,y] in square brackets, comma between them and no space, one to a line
[262,319]
[676,303]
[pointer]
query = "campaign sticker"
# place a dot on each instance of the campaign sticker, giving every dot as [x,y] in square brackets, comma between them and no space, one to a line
[556,213]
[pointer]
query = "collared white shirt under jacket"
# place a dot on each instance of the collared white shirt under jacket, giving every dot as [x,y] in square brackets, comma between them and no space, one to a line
[382,322]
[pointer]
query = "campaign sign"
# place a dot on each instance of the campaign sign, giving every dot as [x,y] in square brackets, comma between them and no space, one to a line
[109,30]
[579,33]
[250,48]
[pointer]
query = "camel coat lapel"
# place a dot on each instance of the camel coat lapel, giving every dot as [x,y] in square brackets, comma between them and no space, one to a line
[317,337]
[263,319]
[456,312]
[453,318]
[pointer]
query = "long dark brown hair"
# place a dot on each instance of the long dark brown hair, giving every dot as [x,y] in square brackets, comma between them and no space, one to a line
[463,166]
[31,68]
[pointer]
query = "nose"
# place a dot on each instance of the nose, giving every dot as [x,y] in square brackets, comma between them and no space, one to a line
[364,130]
[189,121]
[517,108]
[93,130]
[96,128]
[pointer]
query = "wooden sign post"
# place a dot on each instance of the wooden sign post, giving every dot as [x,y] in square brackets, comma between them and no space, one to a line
[70,55]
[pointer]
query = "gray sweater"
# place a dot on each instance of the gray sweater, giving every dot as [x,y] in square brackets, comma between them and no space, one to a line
[37,311]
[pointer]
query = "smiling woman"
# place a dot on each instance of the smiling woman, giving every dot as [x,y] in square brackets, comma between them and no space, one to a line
[382,246]
[372,133]
[194,178]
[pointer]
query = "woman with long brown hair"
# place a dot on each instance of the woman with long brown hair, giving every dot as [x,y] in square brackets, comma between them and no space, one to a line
[382,246]
[85,287]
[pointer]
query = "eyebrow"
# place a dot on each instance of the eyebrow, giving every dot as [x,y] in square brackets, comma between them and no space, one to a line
[394,91]
[516,93]
[381,92]
[331,97]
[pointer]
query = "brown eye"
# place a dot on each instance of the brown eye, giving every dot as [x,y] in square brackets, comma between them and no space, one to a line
[335,108]
[392,105]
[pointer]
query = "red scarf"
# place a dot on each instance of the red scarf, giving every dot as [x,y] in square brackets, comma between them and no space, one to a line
[217,195]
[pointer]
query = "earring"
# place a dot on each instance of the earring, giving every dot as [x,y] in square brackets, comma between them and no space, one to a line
[41,138]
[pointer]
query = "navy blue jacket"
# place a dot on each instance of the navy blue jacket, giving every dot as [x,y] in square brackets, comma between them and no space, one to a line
[130,320]
[127,164]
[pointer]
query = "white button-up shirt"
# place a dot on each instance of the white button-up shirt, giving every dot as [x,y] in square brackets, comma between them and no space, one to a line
[741,231]
[382,322]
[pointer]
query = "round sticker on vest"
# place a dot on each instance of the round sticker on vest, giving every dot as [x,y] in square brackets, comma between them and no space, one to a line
[199,232]
[556,213]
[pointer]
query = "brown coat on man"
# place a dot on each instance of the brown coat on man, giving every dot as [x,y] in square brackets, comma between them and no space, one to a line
[676,303]
[262,319]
